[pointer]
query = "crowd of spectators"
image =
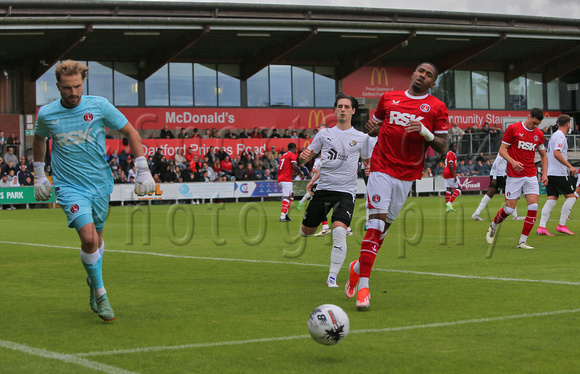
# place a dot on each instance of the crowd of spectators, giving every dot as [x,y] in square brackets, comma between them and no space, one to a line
[214,133]
[216,165]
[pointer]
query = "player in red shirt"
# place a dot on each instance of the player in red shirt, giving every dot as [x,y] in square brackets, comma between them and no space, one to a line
[406,122]
[450,176]
[519,145]
[288,164]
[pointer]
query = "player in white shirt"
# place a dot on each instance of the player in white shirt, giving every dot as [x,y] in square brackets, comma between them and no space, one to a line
[497,180]
[341,147]
[560,175]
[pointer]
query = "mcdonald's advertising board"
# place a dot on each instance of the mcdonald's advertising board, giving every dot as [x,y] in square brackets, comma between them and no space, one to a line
[228,118]
[373,81]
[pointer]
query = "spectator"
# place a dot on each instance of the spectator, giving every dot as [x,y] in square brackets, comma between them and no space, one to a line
[227,166]
[166,133]
[294,134]
[274,134]
[196,164]
[256,134]
[23,173]
[2,141]
[210,155]
[29,181]
[195,134]
[129,164]
[286,134]
[258,167]
[114,156]
[180,158]
[123,158]
[215,133]
[177,175]
[189,155]
[153,135]
[10,156]
[5,182]
[166,175]
[182,134]
[207,134]
[270,163]
[230,135]
[268,175]
[439,168]
[115,169]
[150,163]
[208,173]
[264,133]
[480,157]
[479,167]
[470,167]
[240,173]
[1,164]
[132,173]
[22,162]
[462,170]
[217,169]
[250,172]
[122,178]
[12,139]
[244,134]
[186,174]
[8,166]
[303,134]
[427,173]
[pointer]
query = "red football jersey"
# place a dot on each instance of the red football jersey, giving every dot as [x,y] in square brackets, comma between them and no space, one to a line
[285,167]
[450,165]
[398,153]
[522,143]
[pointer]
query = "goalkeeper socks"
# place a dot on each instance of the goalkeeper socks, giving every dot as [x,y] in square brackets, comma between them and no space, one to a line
[102,248]
[93,263]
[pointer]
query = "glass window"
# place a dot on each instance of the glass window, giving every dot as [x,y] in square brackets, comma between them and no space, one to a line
[302,86]
[258,92]
[181,84]
[324,86]
[205,80]
[46,90]
[157,88]
[229,93]
[444,88]
[126,88]
[517,94]
[535,90]
[280,85]
[496,90]
[100,82]
[553,91]
[462,89]
[479,89]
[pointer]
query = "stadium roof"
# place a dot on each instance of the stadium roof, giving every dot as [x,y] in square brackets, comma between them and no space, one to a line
[37,34]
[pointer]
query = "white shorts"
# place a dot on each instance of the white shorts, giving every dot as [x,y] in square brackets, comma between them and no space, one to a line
[451,183]
[514,187]
[286,188]
[386,194]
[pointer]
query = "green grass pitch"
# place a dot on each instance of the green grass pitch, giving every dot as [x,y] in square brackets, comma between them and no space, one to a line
[226,288]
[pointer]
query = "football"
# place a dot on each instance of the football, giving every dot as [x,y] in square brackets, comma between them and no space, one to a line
[328,324]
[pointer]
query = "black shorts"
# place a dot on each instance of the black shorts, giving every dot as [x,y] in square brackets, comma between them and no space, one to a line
[341,203]
[558,185]
[499,184]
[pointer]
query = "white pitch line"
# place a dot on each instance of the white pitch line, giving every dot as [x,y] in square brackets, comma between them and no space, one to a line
[71,359]
[266,340]
[316,265]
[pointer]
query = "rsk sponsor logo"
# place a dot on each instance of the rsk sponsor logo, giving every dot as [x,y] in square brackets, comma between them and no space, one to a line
[73,137]
[527,146]
[403,119]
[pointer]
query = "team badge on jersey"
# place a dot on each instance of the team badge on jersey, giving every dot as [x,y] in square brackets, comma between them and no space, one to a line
[425,108]
[353,143]
[88,117]
[376,198]
[74,208]
[536,138]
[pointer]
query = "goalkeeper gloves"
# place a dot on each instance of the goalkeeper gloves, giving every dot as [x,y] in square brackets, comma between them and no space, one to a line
[42,187]
[144,183]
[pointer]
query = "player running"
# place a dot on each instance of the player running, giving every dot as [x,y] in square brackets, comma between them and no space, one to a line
[82,178]
[406,122]
[341,148]
[288,165]
[519,145]
[451,182]
[497,178]
[560,175]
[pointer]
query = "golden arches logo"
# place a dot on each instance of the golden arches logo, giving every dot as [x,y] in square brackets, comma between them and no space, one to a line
[379,72]
[318,116]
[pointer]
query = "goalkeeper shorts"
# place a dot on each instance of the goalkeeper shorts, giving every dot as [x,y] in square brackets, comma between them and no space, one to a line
[81,210]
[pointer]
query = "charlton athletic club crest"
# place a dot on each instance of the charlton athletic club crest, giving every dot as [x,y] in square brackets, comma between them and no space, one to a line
[74,208]
[425,108]
[88,117]
[376,198]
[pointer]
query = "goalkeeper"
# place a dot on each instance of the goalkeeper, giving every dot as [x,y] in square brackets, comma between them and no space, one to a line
[82,178]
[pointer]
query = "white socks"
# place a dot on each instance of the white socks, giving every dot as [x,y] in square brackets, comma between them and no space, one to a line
[546,211]
[566,208]
[338,253]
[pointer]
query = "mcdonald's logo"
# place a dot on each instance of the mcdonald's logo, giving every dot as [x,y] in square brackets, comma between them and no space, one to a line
[379,72]
[318,116]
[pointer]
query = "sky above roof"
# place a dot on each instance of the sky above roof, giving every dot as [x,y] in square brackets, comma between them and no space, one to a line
[537,8]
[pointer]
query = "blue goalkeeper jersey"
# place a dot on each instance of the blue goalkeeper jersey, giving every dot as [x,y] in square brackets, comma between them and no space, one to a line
[79,158]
